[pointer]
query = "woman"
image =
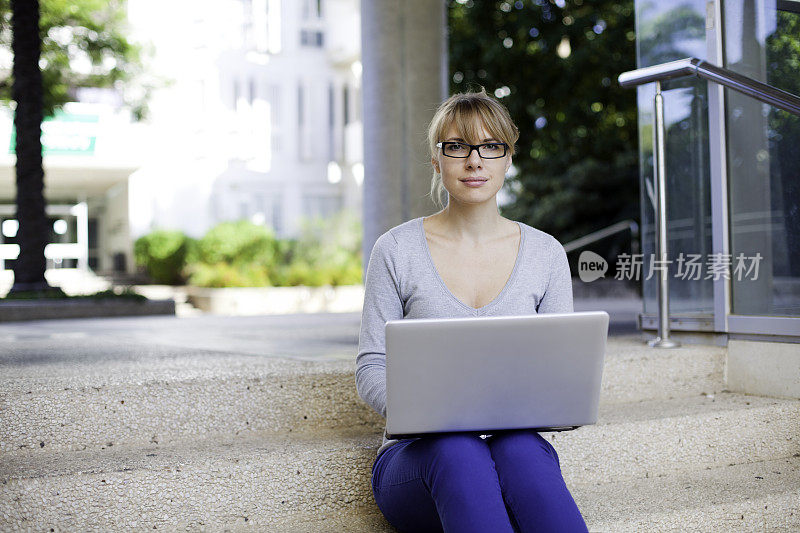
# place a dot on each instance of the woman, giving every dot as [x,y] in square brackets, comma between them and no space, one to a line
[465,261]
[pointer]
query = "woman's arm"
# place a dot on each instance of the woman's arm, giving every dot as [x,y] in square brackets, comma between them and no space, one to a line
[558,294]
[382,303]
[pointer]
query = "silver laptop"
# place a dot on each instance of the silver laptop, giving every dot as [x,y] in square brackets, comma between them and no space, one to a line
[490,374]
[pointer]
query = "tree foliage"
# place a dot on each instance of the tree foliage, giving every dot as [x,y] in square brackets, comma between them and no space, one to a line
[783,65]
[84,44]
[555,66]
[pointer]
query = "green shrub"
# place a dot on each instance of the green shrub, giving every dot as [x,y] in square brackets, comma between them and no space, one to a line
[329,251]
[238,243]
[226,275]
[163,254]
[242,254]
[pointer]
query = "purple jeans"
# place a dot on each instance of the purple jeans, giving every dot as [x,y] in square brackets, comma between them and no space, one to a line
[459,482]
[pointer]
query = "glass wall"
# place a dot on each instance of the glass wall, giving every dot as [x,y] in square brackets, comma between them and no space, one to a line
[762,41]
[666,32]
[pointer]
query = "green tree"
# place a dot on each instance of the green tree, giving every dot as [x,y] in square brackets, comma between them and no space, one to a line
[27,92]
[57,47]
[83,44]
[783,64]
[555,65]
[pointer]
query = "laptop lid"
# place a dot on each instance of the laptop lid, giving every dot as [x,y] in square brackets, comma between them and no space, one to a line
[493,373]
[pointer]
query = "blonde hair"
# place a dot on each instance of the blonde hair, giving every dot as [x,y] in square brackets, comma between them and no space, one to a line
[466,112]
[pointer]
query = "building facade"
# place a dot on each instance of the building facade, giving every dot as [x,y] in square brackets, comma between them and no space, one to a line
[255,114]
[258,117]
[87,163]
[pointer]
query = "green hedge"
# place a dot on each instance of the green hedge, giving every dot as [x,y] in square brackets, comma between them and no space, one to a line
[242,254]
[163,255]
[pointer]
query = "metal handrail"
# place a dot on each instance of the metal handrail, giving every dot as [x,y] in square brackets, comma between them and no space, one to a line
[625,225]
[691,66]
[677,69]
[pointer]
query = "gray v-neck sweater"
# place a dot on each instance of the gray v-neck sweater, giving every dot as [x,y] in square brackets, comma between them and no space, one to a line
[402,282]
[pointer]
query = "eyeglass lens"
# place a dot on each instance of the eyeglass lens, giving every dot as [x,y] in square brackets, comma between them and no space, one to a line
[487,151]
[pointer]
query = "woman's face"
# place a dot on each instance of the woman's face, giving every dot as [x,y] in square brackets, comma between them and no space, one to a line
[456,172]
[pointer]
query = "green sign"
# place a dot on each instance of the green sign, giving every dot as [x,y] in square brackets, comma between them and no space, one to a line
[65,134]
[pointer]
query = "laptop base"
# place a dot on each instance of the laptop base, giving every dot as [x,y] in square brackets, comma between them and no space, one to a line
[481,432]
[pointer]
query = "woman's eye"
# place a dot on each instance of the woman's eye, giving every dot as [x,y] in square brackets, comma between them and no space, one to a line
[456,146]
[492,147]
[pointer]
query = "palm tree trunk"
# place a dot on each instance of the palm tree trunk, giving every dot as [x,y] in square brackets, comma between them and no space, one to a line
[33,231]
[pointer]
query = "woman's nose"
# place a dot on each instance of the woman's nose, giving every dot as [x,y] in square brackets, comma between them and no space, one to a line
[474,159]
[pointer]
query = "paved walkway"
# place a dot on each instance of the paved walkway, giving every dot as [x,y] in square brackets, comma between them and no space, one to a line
[321,336]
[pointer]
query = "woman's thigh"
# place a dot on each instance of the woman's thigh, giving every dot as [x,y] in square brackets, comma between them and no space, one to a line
[529,472]
[444,482]
[401,493]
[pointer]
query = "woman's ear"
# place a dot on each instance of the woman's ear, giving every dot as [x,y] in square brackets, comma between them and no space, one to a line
[435,164]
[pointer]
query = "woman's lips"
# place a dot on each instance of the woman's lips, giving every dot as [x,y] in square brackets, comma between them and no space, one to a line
[474,182]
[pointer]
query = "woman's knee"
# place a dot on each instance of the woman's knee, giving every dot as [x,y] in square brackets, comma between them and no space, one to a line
[457,444]
[522,443]
[456,451]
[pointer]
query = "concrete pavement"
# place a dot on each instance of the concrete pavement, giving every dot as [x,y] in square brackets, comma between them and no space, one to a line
[253,423]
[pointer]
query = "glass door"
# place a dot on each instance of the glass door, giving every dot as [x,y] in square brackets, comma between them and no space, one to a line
[762,41]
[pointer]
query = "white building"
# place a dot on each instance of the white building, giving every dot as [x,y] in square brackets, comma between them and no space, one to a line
[87,163]
[256,114]
[260,118]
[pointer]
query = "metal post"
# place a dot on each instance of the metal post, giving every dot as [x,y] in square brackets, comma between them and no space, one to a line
[663,340]
[81,212]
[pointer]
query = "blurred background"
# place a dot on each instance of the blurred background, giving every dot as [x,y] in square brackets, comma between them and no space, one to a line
[220,143]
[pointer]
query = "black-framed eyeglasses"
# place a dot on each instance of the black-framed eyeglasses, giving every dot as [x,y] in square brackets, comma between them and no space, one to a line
[463,150]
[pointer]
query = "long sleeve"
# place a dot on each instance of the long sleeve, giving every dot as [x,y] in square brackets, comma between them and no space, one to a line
[558,295]
[382,302]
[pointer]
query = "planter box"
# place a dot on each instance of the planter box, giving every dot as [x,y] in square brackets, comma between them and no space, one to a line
[17,310]
[277,300]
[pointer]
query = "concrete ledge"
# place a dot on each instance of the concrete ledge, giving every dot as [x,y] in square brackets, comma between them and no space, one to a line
[159,393]
[254,480]
[198,398]
[643,439]
[758,496]
[18,310]
[277,483]
[277,300]
[767,368]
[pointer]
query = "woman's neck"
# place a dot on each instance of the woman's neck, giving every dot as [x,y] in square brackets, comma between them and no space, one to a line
[475,224]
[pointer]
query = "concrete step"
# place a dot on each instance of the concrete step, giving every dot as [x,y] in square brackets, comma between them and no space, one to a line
[656,437]
[252,480]
[760,496]
[169,401]
[637,439]
[282,483]
[109,393]
[634,371]
[757,496]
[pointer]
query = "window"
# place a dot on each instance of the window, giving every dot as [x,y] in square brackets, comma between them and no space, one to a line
[311,38]
[236,91]
[275,103]
[304,143]
[346,103]
[321,206]
[300,96]
[312,9]
[247,21]
[277,215]
[275,117]
[331,121]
